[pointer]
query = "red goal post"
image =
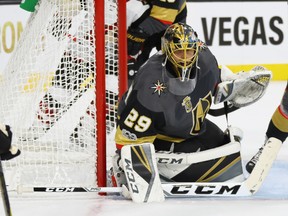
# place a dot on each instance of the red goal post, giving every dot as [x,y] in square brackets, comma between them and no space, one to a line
[59,93]
[100,66]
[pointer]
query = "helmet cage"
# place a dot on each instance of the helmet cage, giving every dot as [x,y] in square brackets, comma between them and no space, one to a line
[181,46]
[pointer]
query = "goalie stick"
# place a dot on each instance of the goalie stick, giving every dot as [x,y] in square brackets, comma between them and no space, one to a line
[4,192]
[193,189]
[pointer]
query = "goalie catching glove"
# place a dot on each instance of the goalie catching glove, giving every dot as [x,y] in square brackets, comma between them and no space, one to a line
[7,151]
[243,88]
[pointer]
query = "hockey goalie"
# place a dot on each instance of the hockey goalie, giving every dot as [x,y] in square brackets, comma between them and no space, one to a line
[163,133]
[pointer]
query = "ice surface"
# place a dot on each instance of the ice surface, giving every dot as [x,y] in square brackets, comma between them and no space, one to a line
[272,198]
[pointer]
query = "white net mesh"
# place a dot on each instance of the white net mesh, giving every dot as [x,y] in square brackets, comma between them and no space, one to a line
[48,94]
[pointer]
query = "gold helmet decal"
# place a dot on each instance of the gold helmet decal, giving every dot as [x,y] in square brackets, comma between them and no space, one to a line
[181,46]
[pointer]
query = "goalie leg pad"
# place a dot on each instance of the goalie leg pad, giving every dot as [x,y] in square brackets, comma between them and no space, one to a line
[139,164]
[213,165]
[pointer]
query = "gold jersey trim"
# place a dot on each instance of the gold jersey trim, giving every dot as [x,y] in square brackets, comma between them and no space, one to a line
[164,14]
[123,140]
[280,121]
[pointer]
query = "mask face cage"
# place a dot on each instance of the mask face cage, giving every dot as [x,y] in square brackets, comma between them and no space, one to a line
[181,46]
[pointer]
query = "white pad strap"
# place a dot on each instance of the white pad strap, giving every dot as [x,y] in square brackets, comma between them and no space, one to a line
[141,172]
[196,157]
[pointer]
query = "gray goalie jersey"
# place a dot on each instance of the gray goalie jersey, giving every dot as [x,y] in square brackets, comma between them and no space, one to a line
[158,105]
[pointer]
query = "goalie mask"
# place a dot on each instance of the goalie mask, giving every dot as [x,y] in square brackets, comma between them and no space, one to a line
[180,44]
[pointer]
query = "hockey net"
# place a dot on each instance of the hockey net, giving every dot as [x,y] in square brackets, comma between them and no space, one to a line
[49,95]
